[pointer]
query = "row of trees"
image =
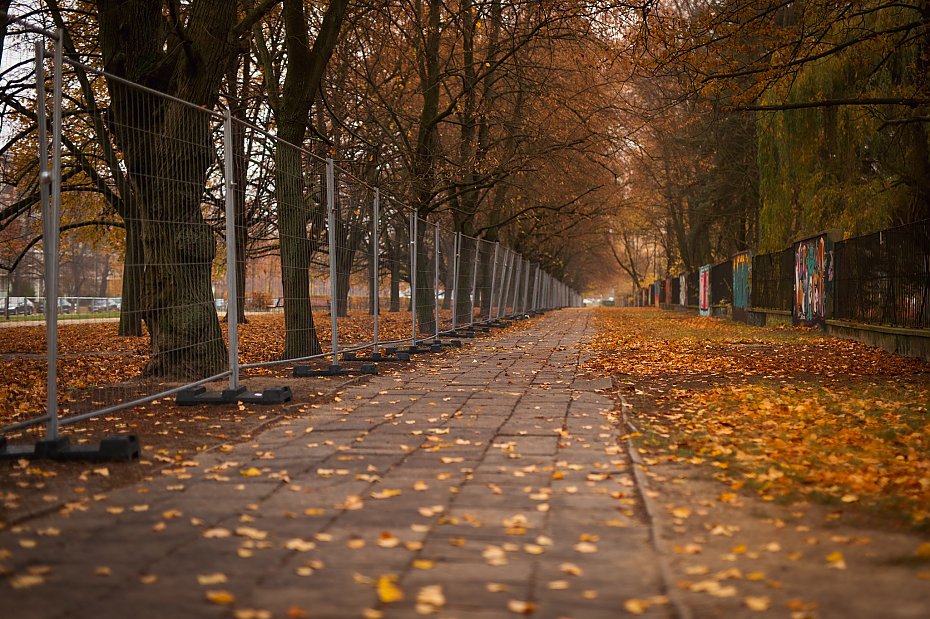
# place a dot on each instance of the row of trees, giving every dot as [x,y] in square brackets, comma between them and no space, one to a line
[493,117]
[763,121]
[653,135]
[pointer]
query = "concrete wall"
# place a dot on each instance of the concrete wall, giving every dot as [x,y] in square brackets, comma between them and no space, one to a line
[908,342]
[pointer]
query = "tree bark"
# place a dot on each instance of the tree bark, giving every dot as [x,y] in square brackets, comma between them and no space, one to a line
[167,149]
[305,71]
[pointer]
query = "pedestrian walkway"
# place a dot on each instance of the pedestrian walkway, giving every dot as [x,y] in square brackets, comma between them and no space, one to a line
[489,484]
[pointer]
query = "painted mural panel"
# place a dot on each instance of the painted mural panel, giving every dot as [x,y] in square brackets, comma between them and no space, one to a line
[705,290]
[683,290]
[813,280]
[742,282]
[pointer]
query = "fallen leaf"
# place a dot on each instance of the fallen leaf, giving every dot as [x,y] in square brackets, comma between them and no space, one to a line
[430,599]
[222,598]
[758,603]
[217,578]
[836,560]
[388,592]
[520,607]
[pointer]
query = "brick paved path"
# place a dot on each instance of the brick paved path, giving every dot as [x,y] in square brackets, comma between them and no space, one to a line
[492,473]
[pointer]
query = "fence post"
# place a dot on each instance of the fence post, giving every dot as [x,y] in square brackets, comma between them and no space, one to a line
[376,280]
[515,284]
[436,282]
[51,191]
[474,282]
[456,252]
[505,280]
[493,284]
[413,276]
[232,294]
[331,236]
[51,301]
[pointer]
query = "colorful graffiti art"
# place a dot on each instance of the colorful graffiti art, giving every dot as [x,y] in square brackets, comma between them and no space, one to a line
[683,290]
[705,290]
[813,280]
[742,280]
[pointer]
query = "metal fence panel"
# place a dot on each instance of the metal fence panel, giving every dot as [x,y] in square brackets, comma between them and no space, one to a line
[721,283]
[884,278]
[773,281]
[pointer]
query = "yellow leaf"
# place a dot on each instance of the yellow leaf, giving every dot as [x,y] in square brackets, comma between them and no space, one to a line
[585,547]
[251,533]
[558,585]
[388,592]
[520,607]
[26,581]
[836,560]
[250,472]
[636,606]
[299,545]
[387,540]
[223,598]
[681,512]
[211,579]
[571,569]
[423,564]
[251,613]
[923,551]
[430,599]
[387,493]
[758,603]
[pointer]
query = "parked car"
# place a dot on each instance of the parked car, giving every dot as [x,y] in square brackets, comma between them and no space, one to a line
[104,305]
[22,307]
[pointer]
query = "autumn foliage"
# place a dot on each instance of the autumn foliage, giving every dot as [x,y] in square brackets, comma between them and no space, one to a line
[786,412]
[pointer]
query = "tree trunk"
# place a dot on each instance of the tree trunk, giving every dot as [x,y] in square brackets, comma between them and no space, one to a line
[300,338]
[167,150]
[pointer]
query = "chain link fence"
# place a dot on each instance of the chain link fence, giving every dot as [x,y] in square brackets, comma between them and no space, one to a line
[202,248]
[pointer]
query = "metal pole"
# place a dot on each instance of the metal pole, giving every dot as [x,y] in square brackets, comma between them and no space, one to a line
[455,279]
[525,301]
[413,275]
[436,282]
[505,277]
[511,274]
[331,234]
[493,283]
[50,253]
[515,285]
[232,292]
[474,283]
[536,290]
[375,241]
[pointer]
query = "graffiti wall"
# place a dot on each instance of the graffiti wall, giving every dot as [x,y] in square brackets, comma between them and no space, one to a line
[705,290]
[742,281]
[813,280]
[683,290]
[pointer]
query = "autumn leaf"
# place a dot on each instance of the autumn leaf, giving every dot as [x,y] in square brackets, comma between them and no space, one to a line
[430,599]
[222,598]
[388,592]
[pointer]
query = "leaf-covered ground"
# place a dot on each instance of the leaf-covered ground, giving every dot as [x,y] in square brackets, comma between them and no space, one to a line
[788,413]
[97,365]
